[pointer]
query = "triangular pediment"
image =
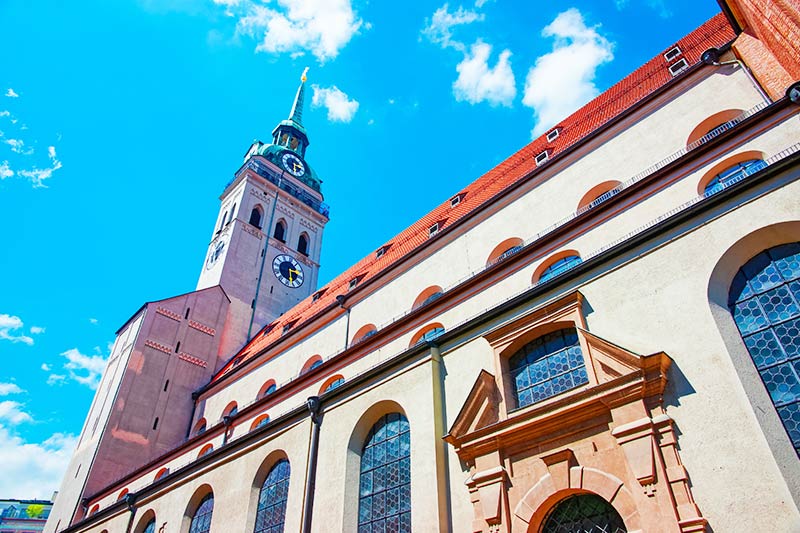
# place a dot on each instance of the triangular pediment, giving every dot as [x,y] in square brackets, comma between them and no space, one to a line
[611,361]
[480,409]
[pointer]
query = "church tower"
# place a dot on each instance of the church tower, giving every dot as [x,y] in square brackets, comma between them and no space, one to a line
[265,248]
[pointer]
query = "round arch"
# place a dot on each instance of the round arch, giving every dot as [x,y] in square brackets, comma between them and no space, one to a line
[330,381]
[161,473]
[279,232]
[200,426]
[428,295]
[547,263]
[262,472]
[122,494]
[148,516]
[267,388]
[532,510]
[725,164]
[507,247]
[194,502]
[231,409]
[95,508]
[428,328]
[313,362]
[260,420]
[593,195]
[719,285]
[257,216]
[365,331]
[710,123]
[205,450]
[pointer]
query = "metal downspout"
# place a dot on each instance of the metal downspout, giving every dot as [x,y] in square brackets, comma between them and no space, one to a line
[264,256]
[340,300]
[315,408]
[438,373]
[130,500]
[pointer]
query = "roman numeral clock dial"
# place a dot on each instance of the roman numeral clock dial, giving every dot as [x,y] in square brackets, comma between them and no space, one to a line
[288,270]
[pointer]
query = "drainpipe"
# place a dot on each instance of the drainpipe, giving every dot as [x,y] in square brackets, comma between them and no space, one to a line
[340,300]
[130,501]
[226,421]
[711,57]
[195,396]
[264,256]
[438,373]
[315,409]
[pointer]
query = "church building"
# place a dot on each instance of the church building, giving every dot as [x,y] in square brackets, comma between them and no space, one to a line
[601,334]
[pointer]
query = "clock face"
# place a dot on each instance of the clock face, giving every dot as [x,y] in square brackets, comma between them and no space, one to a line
[215,254]
[288,270]
[293,164]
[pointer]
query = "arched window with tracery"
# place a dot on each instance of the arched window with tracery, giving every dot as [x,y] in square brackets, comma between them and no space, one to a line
[765,302]
[201,520]
[586,513]
[280,231]
[547,366]
[255,216]
[302,244]
[272,499]
[732,174]
[385,481]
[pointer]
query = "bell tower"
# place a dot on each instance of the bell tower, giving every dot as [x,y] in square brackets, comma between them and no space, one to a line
[265,247]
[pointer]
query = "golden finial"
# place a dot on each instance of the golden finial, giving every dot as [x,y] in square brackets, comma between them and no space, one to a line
[303,78]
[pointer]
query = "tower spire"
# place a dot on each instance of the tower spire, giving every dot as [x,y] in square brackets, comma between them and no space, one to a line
[296,114]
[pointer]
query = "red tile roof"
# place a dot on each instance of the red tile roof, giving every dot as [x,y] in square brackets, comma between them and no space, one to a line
[630,90]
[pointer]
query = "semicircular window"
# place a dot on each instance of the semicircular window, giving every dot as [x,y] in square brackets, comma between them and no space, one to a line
[201,521]
[385,483]
[732,174]
[562,265]
[584,513]
[765,303]
[272,499]
[547,366]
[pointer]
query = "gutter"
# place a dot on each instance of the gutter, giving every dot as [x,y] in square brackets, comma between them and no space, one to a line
[314,406]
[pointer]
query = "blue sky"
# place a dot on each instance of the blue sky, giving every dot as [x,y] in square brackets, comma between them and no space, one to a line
[122,120]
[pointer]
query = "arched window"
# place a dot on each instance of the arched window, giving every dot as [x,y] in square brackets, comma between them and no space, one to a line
[547,366]
[205,450]
[267,388]
[231,409]
[94,509]
[333,382]
[255,217]
[122,494]
[280,231]
[260,421]
[161,473]
[312,363]
[385,481]
[233,213]
[562,265]
[427,333]
[200,427]
[364,332]
[201,521]
[150,527]
[587,513]
[271,512]
[599,194]
[427,296]
[765,303]
[713,126]
[505,249]
[302,244]
[222,222]
[733,174]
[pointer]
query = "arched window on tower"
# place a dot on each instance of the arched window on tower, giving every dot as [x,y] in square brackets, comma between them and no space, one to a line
[732,174]
[547,366]
[272,498]
[765,302]
[280,231]
[385,481]
[201,520]
[584,512]
[302,244]
[255,216]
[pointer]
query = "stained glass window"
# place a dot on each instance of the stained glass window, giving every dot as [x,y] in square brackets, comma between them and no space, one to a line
[150,527]
[201,521]
[272,499]
[547,366]
[385,482]
[733,174]
[562,265]
[765,303]
[584,513]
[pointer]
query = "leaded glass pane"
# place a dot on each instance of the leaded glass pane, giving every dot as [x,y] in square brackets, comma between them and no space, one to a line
[271,512]
[150,527]
[201,521]
[584,513]
[765,304]
[548,366]
[562,265]
[385,484]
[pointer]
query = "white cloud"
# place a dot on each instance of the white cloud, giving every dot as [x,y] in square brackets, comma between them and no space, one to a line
[5,113]
[36,330]
[56,379]
[10,412]
[93,321]
[11,94]
[5,170]
[83,369]
[340,107]
[657,5]
[51,152]
[439,28]
[477,82]
[563,80]
[33,469]
[46,367]
[8,325]
[38,176]
[18,146]
[9,388]
[321,27]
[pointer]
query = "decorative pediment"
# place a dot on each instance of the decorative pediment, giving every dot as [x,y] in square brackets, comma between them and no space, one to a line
[480,409]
